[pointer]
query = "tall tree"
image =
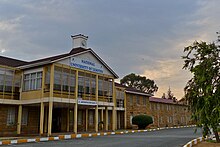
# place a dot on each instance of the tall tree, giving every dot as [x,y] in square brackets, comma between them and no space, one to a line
[203,89]
[139,82]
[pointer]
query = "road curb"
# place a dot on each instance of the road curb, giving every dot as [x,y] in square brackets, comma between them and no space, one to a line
[194,142]
[85,135]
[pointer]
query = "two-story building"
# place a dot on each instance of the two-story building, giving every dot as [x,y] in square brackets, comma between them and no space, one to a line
[71,92]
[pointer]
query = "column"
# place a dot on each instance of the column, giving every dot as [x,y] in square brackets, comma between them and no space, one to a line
[87,115]
[19,119]
[113,108]
[102,118]
[125,111]
[76,104]
[41,118]
[68,120]
[96,108]
[50,110]
[106,118]
[46,119]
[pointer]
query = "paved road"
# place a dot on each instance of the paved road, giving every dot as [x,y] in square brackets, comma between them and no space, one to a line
[162,138]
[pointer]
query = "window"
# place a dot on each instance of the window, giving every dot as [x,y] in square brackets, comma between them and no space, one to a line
[80,118]
[131,116]
[91,117]
[11,116]
[170,119]
[144,101]
[138,100]
[32,81]
[24,119]
[131,100]
[158,106]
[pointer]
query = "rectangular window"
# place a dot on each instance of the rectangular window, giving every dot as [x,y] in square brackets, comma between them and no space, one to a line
[24,120]
[158,106]
[33,81]
[91,117]
[11,116]
[138,100]
[131,100]
[80,117]
[144,101]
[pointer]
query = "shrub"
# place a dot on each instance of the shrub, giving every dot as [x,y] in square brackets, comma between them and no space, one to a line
[142,121]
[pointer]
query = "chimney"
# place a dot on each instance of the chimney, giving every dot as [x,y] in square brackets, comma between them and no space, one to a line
[79,41]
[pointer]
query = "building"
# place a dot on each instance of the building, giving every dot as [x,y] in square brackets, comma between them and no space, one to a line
[74,92]
[71,92]
[165,112]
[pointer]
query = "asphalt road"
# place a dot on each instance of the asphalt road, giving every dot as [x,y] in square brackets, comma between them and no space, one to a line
[161,138]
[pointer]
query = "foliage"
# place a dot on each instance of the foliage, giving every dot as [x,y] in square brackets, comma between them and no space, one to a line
[203,89]
[139,82]
[142,121]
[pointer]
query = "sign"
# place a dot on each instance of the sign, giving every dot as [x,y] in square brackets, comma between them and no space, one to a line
[86,65]
[87,102]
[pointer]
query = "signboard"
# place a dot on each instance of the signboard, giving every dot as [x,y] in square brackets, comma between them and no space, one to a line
[86,65]
[87,102]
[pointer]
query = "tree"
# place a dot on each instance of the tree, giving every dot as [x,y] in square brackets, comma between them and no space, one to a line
[140,83]
[202,91]
[142,121]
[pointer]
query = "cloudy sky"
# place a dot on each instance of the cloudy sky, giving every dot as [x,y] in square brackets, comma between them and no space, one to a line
[146,37]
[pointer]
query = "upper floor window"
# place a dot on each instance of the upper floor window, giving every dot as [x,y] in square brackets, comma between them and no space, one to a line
[33,81]
[131,100]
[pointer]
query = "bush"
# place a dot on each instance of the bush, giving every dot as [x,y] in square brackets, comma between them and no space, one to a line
[142,121]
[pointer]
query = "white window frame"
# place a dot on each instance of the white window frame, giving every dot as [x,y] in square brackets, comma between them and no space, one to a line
[28,79]
[11,116]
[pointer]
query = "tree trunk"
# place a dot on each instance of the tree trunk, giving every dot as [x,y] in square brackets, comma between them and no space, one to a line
[216,136]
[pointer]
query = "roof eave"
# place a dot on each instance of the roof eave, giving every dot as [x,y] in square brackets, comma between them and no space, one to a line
[139,93]
[34,64]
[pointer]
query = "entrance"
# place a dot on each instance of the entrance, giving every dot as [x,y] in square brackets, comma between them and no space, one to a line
[56,122]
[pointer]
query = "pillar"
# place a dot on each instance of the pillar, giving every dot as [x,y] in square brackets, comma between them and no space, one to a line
[96,108]
[46,120]
[87,115]
[41,118]
[68,120]
[125,111]
[106,118]
[102,114]
[113,108]
[19,119]
[76,104]
[50,110]
[50,113]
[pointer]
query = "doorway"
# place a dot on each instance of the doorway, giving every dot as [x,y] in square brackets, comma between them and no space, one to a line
[56,121]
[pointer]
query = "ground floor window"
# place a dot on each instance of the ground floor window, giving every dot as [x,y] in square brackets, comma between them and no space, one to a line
[91,117]
[11,116]
[131,116]
[24,119]
[80,118]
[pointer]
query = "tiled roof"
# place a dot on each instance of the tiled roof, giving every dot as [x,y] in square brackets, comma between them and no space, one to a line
[161,100]
[132,90]
[11,62]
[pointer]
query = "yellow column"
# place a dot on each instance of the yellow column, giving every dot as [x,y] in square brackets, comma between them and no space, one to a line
[125,111]
[19,119]
[102,114]
[106,118]
[68,120]
[87,115]
[41,118]
[46,120]
[76,104]
[50,111]
[96,108]
[113,108]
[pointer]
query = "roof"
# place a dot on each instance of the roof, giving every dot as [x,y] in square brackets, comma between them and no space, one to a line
[161,100]
[132,90]
[75,51]
[11,62]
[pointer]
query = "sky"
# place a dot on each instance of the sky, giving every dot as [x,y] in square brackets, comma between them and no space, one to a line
[146,37]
